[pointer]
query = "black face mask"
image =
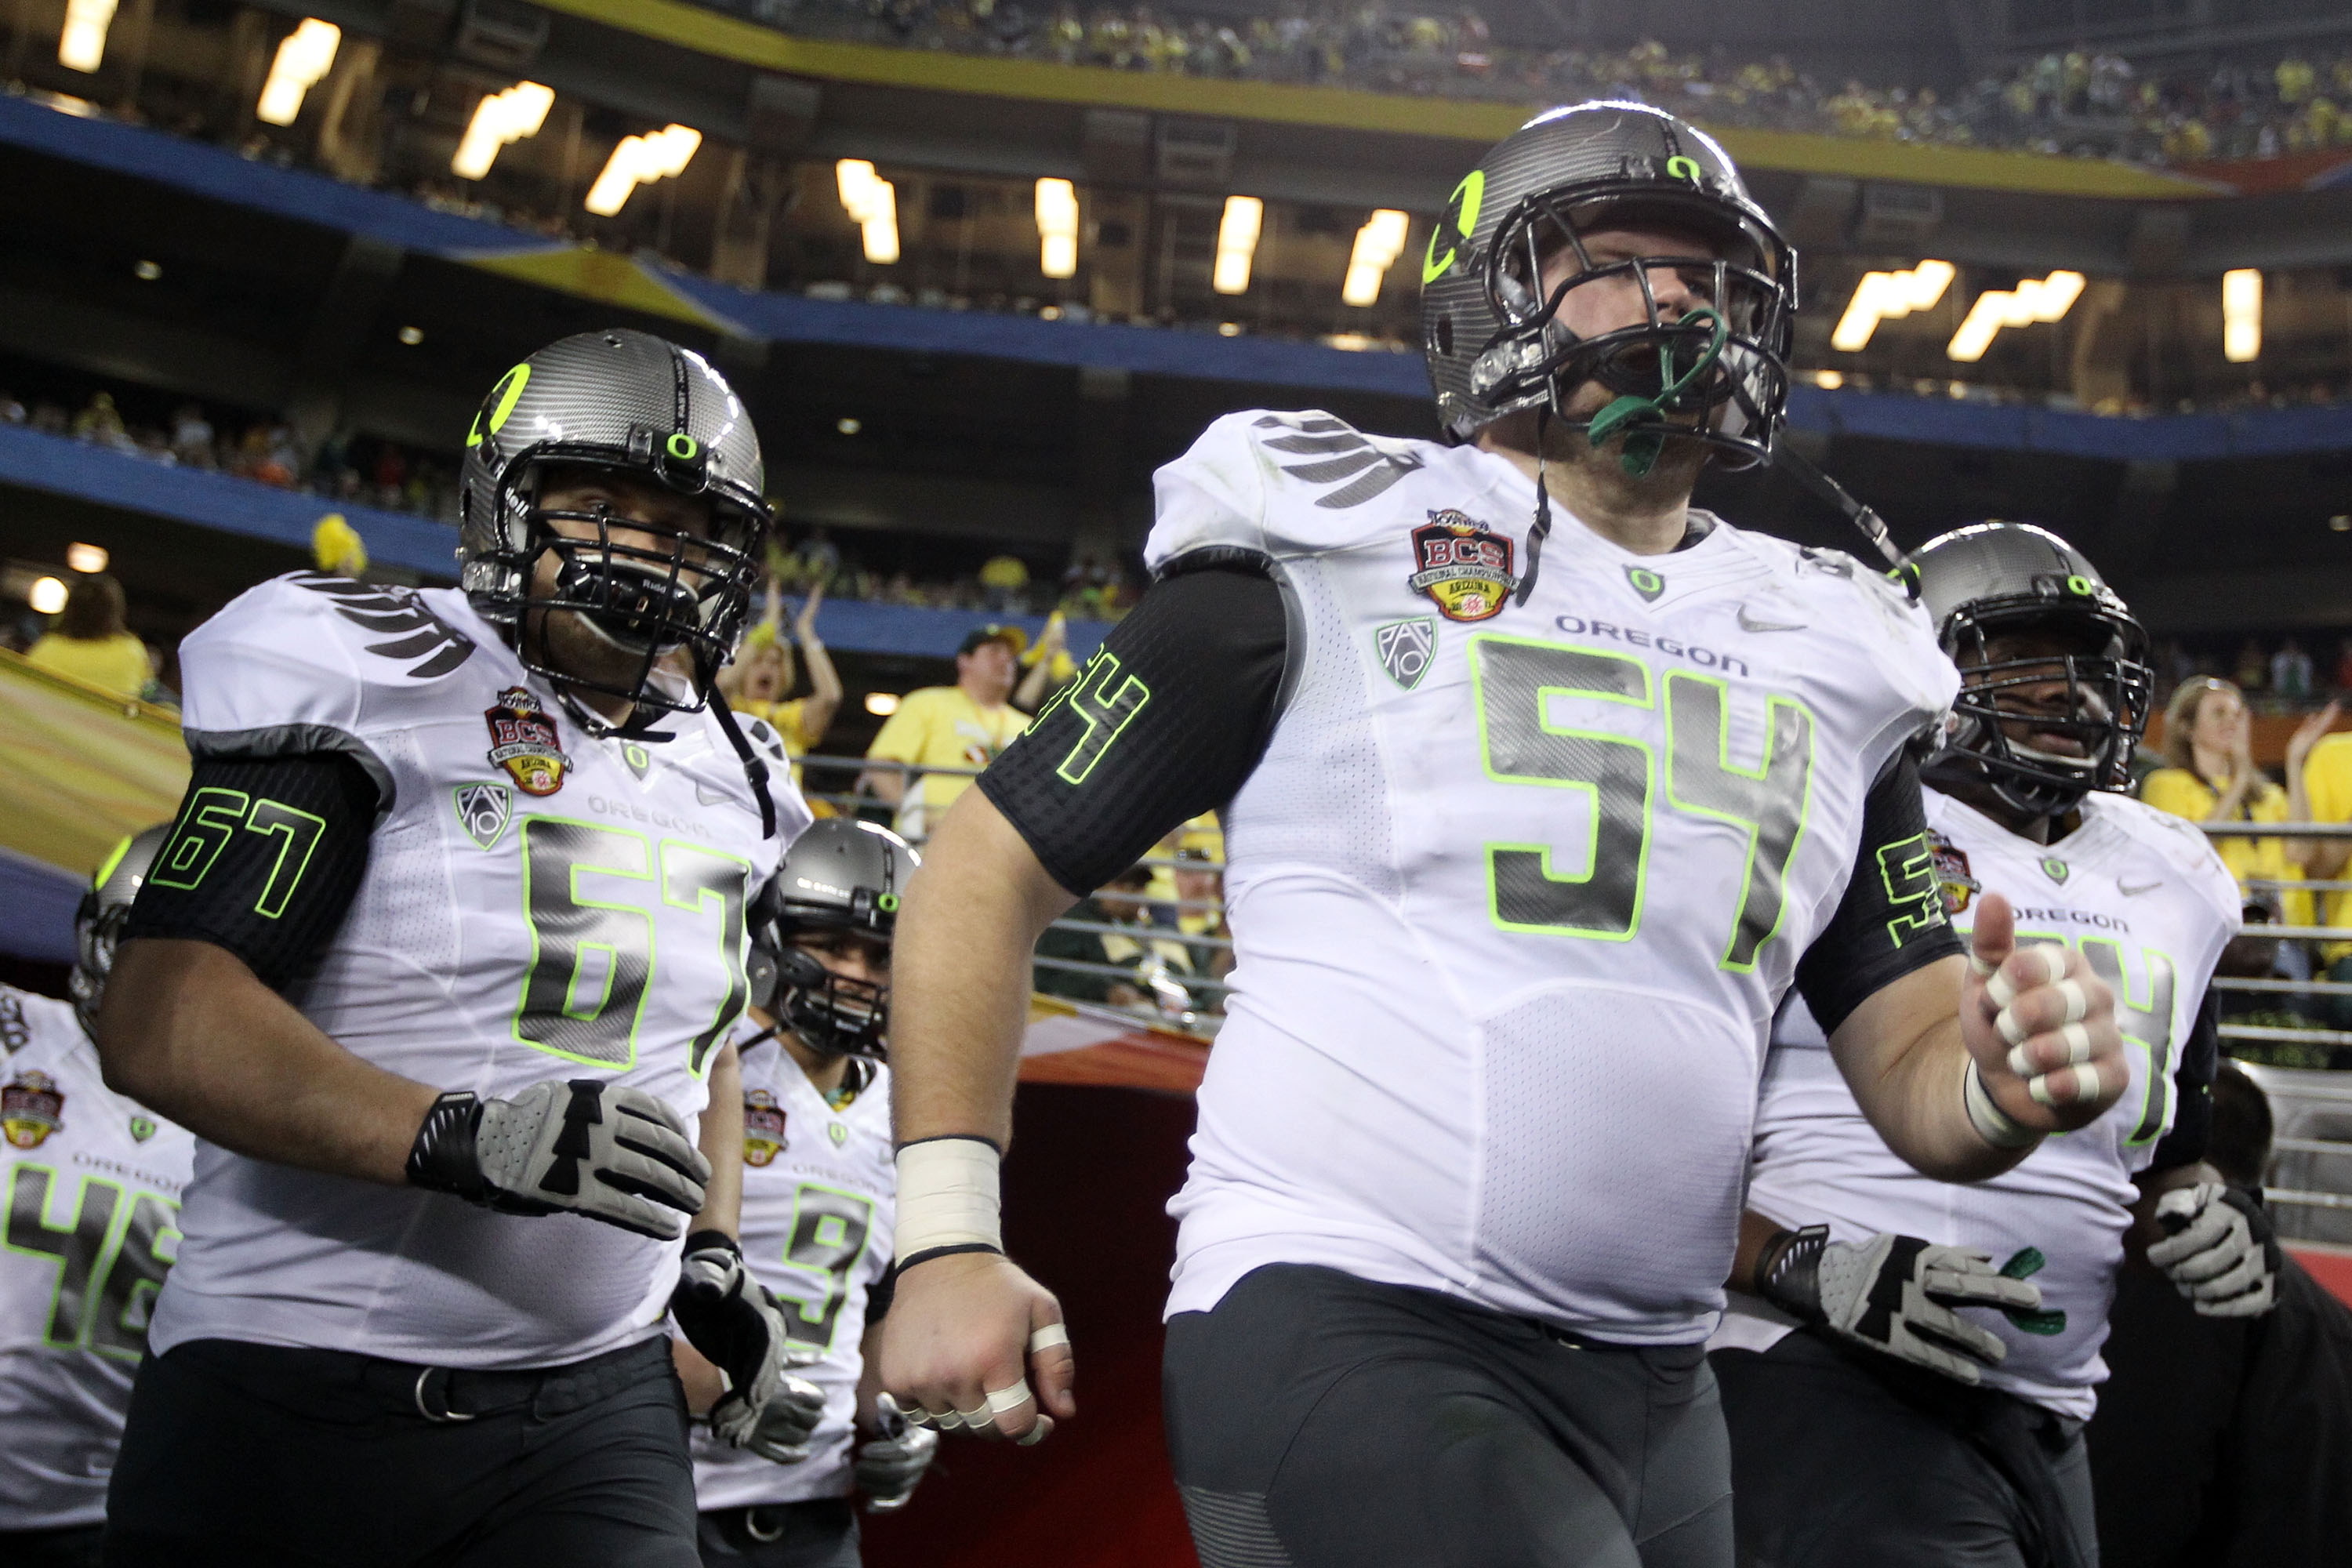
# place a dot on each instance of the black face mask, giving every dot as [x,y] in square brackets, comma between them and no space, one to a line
[831,1014]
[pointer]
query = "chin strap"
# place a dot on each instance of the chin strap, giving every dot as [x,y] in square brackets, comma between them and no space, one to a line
[1639,454]
[1540,530]
[755,769]
[1873,528]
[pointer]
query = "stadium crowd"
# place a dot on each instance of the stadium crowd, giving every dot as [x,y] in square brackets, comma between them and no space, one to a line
[2077,102]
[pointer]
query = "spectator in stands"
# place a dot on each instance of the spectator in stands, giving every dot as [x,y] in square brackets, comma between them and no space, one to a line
[959,726]
[193,439]
[2291,671]
[758,681]
[2328,787]
[101,423]
[1201,882]
[2210,777]
[1004,580]
[12,412]
[2254,669]
[90,641]
[1157,964]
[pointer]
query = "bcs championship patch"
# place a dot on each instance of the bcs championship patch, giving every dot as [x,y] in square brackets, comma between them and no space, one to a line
[31,1108]
[1952,873]
[763,1127]
[1462,566]
[525,741]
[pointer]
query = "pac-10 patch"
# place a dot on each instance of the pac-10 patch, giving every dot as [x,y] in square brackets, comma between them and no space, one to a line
[31,1108]
[763,1127]
[1464,566]
[1405,647]
[525,741]
[483,811]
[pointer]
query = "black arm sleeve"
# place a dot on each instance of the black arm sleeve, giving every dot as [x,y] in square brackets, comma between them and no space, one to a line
[1164,723]
[2192,1081]
[264,861]
[1891,920]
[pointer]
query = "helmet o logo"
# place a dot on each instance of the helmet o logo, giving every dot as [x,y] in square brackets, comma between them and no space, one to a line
[2081,585]
[683,447]
[500,403]
[1680,167]
[887,902]
[1462,210]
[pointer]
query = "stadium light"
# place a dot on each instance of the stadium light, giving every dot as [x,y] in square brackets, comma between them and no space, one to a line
[47,595]
[1378,244]
[82,44]
[86,558]
[1058,229]
[2242,315]
[881,704]
[872,202]
[302,59]
[498,119]
[640,160]
[1237,235]
[2033,300]
[1888,297]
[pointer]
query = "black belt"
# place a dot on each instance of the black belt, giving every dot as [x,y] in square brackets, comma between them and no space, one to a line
[767,1521]
[443,1394]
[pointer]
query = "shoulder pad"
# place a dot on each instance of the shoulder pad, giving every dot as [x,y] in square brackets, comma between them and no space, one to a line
[1275,484]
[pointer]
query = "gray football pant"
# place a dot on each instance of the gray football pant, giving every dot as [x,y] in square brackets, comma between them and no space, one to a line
[1835,1470]
[1319,1421]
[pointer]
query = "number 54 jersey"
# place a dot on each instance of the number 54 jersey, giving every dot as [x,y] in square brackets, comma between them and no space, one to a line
[1521,876]
[89,1185]
[538,903]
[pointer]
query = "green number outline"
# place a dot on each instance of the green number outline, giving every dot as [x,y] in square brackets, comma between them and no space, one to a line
[290,827]
[102,1279]
[206,809]
[612,970]
[837,1277]
[735,954]
[1093,688]
[2160,1053]
[1774,704]
[1591,791]
[1919,863]
[101,1262]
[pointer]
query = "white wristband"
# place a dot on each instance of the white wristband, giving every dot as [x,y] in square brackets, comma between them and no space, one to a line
[948,1195]
[1994,1125]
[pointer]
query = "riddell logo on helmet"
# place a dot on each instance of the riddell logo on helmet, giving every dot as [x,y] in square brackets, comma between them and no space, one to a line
[1464,567]
[525,741]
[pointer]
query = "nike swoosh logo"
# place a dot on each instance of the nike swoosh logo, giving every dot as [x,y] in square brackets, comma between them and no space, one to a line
[1747,623]
[707,796]
[2128,890]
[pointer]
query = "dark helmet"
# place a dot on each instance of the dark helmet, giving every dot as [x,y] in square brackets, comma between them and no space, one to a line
[842,875]
[640,404]
[1980,582]
[97,921]
[1493,339]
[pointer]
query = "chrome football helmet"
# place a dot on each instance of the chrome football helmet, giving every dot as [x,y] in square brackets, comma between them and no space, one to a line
[98,920]
[1985,582]
[841,876]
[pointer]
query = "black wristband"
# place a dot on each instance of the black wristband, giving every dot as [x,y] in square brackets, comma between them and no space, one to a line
[891,1279]
[442,1159]
[1789,1271]
[704,1240]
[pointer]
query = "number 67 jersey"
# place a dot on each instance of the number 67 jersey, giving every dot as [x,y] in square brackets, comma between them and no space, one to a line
[1521,875]
[538,903]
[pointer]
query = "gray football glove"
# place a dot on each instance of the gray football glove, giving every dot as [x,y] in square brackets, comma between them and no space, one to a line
[586,1147]
[888,1468]
[733,1320]
[1894,1294]
[2219,1251]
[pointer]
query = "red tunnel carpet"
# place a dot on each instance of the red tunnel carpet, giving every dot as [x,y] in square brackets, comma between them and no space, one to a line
[1086,1192]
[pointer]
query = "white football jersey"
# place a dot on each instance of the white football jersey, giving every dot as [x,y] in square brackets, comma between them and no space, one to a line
[1516,889]
[538,903]
[820,1198]
[92,1184]
[2145,899]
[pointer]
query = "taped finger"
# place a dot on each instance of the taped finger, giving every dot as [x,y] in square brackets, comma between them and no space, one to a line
[2065,1086]
[977,1417]
[1037,1434]
[1982,967]
[1049,1336]
[2011,1027]
[2078,1001]
[1000,1399]
[2052,961]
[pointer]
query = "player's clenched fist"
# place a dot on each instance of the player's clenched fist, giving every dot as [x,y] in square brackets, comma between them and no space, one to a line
[967,1330]
[2046,1055]
[973,1344]
[602,1150]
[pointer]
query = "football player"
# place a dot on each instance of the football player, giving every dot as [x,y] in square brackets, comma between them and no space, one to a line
[90,1186]
[440,965]
[1544,789]
[818,1186]
[1845,1456]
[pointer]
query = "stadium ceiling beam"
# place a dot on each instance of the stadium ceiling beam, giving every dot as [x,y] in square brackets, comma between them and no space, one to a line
[2144,41]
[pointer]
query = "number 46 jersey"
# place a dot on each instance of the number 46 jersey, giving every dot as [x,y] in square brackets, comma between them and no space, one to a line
[91,1185]
[1521,875]
[539,902]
